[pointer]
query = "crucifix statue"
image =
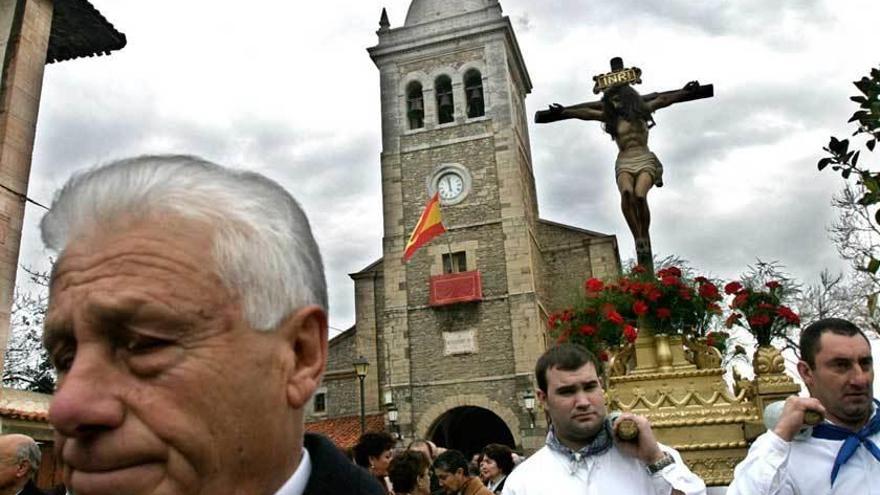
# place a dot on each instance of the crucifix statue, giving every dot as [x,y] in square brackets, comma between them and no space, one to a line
[627,116]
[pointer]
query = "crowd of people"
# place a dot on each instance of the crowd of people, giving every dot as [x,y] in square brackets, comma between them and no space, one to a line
[423,468]
[187,321]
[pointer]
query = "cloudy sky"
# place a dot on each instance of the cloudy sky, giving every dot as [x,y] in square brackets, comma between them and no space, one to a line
[289,90]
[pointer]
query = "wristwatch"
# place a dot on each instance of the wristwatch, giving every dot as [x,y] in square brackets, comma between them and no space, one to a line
[667,460]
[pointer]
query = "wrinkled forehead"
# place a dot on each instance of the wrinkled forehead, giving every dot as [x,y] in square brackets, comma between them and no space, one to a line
[832,345]
[160,232]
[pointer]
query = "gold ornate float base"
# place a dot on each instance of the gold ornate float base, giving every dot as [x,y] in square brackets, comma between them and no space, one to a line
[691,408]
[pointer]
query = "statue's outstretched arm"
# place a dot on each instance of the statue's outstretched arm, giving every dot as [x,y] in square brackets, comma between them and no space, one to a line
[667,98]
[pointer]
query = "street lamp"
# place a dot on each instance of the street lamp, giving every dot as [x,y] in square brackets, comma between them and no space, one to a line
[360,368]
[529,403]
[393,415]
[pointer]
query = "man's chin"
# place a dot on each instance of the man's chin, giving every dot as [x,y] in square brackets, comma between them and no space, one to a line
[141,478]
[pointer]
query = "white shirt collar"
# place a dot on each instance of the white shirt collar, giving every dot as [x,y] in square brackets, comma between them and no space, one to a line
[296,484]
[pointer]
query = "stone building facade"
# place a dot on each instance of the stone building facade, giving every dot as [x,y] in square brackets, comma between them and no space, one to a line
[453,335]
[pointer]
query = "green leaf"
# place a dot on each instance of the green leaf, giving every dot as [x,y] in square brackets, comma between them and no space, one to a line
[859,99]
[845,174]
[870,144]
[855,158]
[824,163]
[873,266]
[861,114]
[877,216]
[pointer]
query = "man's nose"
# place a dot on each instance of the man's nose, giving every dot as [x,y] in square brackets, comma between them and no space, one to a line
[85,400]
[582,399]
[861,378]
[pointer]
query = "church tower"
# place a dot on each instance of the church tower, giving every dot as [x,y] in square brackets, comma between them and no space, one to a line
[453,334]
[463,320]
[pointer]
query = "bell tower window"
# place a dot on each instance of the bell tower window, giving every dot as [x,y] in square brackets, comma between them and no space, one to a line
[445,105]
[415,105]
[473,89]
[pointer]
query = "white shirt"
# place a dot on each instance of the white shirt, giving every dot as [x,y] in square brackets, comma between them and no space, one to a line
[296,484]
[803,467]
[548,472]
[492,485]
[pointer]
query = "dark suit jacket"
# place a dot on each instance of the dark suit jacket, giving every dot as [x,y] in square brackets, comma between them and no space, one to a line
[334,474]
[31,489]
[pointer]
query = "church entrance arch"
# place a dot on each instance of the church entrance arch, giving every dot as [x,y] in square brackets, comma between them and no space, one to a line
[469,429]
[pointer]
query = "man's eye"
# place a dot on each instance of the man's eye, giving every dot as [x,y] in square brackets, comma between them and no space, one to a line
[62,359]
[140,344]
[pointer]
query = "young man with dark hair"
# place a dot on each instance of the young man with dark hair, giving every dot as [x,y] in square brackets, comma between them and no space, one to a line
[582,455]
[840,455]
[451,468]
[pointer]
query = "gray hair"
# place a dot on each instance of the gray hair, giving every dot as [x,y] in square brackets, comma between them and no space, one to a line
[30,452]
[263,247]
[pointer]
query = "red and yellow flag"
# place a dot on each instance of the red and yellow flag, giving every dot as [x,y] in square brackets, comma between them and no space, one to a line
[430,226]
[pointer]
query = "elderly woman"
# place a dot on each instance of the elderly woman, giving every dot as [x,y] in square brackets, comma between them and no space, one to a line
[496,464]
[373,451]
[410,474]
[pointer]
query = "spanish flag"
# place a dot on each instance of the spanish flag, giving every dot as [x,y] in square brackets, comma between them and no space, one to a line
[430,226]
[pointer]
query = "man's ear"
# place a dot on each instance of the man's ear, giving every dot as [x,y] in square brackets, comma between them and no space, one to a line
[24,469]
[542,397]
[306,333]
[806,373]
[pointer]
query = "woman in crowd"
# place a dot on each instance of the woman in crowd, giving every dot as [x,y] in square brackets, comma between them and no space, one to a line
[373,451]
[496,464]
[409,473]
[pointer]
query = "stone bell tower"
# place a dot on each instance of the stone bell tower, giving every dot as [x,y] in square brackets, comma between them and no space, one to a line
[462,323]
[455,332]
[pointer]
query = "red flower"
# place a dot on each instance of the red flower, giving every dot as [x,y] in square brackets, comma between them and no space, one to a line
[669,272]
[566,315]
[773,284]
[630,333]
[663,313]
[708,290]
[669,280]
[553,321]
[714,308]
[733,288]
[765,305]
[614,317]
[685,294]
[603,356]
[654,294]
[588,330]
[710,340]
[639,307]
[639,269]
[701,280]
[732,319]
[740,299]
[563,337]
[789,315]
[594,285]
[759,320]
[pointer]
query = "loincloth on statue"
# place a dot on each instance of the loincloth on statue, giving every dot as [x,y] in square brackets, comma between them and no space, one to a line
[635,165]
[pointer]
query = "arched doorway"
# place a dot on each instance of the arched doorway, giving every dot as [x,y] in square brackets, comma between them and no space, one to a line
[469,429]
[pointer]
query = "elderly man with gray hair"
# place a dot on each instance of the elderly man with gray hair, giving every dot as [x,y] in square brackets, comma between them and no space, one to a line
[19,463]
[187,320]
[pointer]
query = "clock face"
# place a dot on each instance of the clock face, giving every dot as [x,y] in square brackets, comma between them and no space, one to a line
[450,186]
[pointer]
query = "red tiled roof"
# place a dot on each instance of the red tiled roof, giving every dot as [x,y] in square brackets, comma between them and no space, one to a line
[345,431]
[7,412]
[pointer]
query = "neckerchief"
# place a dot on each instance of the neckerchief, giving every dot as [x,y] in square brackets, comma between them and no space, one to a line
[851,439]
[601,443]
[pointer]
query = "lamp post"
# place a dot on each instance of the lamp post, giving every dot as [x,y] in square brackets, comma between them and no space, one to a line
[392,415]
[360,368]
[529,403]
